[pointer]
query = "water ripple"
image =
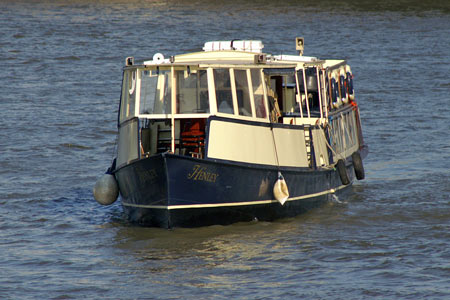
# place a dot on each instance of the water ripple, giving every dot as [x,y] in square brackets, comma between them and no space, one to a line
[387,239]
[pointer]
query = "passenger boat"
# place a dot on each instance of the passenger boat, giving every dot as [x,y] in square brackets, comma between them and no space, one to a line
[233,134]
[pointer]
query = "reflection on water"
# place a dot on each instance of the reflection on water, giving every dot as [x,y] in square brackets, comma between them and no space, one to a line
[218,244]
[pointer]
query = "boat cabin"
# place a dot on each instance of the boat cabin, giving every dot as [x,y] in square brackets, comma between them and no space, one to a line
[232,102]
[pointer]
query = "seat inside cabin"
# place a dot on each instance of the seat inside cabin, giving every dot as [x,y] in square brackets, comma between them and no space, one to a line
[189,137]
[192,137]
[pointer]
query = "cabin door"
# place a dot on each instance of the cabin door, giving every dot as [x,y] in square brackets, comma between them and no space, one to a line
[282,95]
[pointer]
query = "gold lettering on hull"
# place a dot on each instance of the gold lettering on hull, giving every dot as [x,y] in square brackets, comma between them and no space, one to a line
[202,174]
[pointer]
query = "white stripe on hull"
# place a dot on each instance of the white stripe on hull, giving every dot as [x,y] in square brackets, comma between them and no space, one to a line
[170,207]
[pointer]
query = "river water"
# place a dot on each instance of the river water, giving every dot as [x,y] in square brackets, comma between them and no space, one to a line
[60,78]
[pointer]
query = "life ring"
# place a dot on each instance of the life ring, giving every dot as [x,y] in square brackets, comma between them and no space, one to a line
[329,91]
[358,166]
[342,170]
[158,58]
[349,79]
[334,87]
[343,85]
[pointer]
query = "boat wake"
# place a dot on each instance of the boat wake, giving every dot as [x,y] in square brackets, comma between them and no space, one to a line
[335,200]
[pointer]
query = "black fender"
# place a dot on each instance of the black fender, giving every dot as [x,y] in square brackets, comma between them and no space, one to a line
[342,170]
[358,166]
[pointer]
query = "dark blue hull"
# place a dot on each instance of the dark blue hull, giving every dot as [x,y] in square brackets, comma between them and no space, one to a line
[178,191]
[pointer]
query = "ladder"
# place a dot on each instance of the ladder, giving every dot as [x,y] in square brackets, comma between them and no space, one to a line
[308,143]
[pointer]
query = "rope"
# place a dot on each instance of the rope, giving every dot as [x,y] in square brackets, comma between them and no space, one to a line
[329,146]
[275,146]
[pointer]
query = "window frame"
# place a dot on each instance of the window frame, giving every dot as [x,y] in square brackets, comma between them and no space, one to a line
[213,108]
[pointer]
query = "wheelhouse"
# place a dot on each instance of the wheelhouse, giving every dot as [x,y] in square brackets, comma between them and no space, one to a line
[169,105]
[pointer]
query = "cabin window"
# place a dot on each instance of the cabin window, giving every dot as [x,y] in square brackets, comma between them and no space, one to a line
[223,91]
[258,93]
[149,83]
[310,102]
[313,89]
[128,142]
[192,92]
[242,93]
[128,100]
[155,92]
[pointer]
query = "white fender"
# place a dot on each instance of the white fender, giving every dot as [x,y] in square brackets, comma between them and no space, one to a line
[106,189]
[280,189]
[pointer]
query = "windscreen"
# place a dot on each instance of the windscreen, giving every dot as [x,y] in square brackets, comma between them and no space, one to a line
[155,92]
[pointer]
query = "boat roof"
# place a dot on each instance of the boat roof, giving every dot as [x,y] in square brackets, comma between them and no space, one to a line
[225,56]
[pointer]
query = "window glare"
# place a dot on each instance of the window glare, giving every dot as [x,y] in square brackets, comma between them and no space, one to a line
[258,94]
[242,93]
[223,91]
[192,92]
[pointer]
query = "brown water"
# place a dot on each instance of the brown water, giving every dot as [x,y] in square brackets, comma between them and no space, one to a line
[60,84]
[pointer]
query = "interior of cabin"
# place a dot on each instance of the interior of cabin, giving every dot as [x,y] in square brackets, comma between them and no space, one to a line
[240,92]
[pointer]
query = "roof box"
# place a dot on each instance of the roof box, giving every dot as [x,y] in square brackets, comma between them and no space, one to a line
[238,45]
